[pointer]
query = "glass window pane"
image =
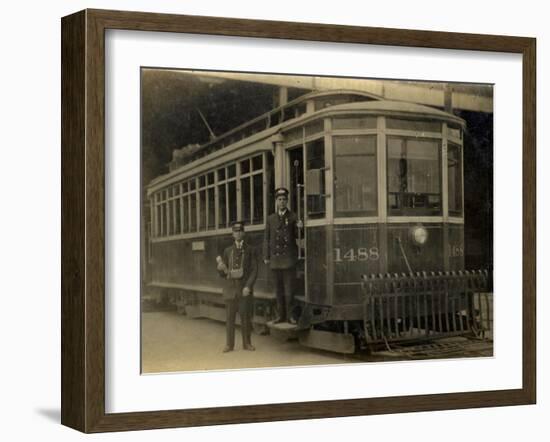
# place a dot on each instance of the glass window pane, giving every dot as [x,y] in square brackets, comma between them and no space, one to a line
[192,184]
[178,216]
[185,214]
[212,208]
[171,217]
[315,180]
[231,170]
[202,181]
[202,210]
[210,178]
[454,168]
[257,162]
[315,127]
[258,215]
[414,179]
[185,187]
[222,204]
[416,125]
[221,174]
[232,196]
[245,166]
[245,199]
[193,197]
[294,134]
[157,222]
[355,179]
[163,219]
[354,123]
[454,132]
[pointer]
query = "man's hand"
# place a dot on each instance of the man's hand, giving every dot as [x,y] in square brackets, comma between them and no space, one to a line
[221,266]
[266,261]
[246,291]
[300,224]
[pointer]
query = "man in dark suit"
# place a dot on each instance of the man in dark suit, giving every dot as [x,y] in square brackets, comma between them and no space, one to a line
[281,252]
[239,268]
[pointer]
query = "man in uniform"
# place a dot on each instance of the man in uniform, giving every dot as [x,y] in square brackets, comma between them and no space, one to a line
[281,252]
[239,268]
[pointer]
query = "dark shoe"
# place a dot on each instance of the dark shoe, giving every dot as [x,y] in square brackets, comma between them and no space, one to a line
[227,349]
[249,347]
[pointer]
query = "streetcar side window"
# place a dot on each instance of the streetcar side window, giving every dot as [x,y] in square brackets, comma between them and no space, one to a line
[454,174]
[193,206]
[212,200]
[258,192]
[177,214]
[202,202]
[355,175]
[186,211]
[232,197]
[222,203]
[414,178]
[246,203]
[252,193]
[227,195]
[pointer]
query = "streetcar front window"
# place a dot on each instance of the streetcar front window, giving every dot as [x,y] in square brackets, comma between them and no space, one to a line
[355,176]
[414,178]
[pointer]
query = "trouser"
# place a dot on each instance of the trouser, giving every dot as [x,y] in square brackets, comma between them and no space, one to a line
[242,304]
[284,283]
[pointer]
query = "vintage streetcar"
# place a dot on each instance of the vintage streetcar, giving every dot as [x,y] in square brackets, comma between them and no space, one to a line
[379,186]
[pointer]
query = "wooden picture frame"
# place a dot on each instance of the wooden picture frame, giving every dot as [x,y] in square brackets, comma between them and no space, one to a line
[83,220]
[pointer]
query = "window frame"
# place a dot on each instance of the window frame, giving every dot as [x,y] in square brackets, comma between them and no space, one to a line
[409,212]
[345,133]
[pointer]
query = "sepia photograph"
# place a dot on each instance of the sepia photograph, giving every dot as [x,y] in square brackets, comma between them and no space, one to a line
[292,220]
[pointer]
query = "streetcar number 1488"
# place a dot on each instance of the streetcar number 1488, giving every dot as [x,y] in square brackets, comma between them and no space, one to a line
[359,254]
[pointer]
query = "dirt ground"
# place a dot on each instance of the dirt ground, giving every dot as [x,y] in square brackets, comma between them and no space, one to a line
[173,342]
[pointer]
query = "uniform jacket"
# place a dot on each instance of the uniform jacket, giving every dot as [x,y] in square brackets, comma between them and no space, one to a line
[246,257]
[280,237]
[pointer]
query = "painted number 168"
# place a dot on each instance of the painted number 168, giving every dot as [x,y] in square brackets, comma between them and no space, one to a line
[360,254]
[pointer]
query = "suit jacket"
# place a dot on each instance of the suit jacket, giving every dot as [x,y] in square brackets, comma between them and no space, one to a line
[246,258]
[280,237]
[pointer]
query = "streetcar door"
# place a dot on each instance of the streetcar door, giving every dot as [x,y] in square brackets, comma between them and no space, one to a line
[297,205]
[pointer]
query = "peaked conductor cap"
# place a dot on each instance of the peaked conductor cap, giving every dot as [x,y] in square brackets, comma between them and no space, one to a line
[281,191]
[237,226]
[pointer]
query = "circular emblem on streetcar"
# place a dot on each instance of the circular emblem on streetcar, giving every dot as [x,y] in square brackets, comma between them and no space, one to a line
[419,235]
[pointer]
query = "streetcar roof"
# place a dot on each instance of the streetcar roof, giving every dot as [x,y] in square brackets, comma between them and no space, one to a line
[291,104]
[371,105]
[399,108]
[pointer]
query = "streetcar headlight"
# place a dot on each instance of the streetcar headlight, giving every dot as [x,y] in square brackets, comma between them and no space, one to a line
[419,235]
